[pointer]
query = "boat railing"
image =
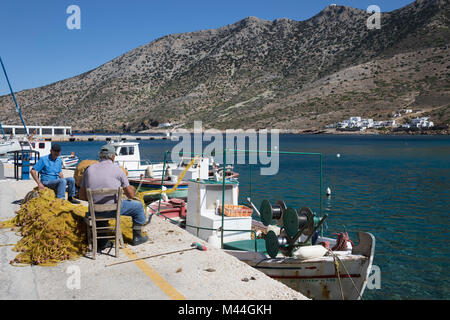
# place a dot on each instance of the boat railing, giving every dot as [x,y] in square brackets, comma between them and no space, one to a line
[233,152]
[143,162]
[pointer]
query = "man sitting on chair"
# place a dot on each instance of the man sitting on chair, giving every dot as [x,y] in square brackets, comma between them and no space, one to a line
[50,168]
[107,175]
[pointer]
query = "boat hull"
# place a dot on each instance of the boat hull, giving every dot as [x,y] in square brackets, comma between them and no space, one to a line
[8,146]
[317,278]
[173,209]
[70,161]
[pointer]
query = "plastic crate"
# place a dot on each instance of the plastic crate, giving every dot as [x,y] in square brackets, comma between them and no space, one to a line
[232,210]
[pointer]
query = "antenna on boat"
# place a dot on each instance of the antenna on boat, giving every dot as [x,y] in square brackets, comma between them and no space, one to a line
[14,98]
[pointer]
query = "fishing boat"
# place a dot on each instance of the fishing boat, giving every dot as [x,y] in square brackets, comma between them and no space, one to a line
[143,184]
[147,176]
[286,244]
[128,156]
[171,208]
[42,149]
[315,277]
[8,145]
[70,161]
[147,184]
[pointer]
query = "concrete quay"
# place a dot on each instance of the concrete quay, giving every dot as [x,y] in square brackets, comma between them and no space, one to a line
[190,275]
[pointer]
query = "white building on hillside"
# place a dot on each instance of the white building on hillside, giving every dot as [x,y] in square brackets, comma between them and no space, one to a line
[368,123]
[422,122]
[363,124]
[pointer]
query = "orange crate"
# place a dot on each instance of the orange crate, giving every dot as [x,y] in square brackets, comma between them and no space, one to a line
[236,210]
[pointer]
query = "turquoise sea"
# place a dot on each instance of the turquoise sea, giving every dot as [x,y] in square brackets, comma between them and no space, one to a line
[396,187]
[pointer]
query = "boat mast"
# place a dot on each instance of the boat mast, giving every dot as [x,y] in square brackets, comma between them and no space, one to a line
[3,132]
[14,98]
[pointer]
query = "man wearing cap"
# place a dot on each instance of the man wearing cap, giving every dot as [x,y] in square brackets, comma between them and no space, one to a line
[106,174]
[50,168]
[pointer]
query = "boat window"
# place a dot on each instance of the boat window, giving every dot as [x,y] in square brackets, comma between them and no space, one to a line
[41,145]
[123,151]
[131,151]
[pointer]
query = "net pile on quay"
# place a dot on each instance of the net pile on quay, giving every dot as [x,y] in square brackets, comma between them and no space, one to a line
[52,230]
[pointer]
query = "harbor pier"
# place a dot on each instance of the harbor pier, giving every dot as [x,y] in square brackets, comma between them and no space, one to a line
[188,275]
[94,137]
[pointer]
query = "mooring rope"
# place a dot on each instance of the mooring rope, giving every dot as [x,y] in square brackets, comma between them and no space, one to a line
[336,264]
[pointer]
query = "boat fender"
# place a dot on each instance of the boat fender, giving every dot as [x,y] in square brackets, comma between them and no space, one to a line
[310,252]
[214,241]
[149,172]
[349,246]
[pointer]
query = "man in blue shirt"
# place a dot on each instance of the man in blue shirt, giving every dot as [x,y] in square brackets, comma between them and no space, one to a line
[50,168]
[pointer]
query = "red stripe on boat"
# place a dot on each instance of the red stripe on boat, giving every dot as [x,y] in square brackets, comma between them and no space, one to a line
[317,277]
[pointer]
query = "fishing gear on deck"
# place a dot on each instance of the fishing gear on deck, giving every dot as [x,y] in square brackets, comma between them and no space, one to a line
[294,224]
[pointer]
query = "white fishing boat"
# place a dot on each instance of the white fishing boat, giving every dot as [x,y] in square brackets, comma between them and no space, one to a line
[284,243]
[316,277]
[8,145]
[41,147]
[129,157]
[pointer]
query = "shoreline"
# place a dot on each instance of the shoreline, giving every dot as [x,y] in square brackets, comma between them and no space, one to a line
[104,136]
[281,131]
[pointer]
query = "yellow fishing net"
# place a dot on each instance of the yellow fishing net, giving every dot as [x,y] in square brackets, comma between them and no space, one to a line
[52,229]
[82,167]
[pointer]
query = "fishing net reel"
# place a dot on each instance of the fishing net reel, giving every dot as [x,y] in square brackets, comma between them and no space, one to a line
[269,212]
[302,220]
[293,224]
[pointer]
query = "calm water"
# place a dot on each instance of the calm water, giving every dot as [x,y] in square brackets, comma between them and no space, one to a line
[396,187]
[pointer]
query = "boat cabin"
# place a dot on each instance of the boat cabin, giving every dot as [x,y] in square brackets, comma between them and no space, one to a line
[127,155]
[204,210]
[42,146]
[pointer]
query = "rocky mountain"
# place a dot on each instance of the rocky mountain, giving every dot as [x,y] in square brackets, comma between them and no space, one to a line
[262,74]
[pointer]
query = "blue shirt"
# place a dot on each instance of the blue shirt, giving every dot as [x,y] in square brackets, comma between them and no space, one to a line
[48,168]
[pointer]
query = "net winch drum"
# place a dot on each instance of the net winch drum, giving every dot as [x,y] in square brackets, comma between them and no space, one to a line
[294,221]
[269,212]
[274,243]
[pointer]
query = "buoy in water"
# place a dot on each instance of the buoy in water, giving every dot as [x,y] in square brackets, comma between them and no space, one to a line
[328,191]
[338,155]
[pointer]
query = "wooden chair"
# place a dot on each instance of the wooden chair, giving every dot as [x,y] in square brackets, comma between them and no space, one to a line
[95,215]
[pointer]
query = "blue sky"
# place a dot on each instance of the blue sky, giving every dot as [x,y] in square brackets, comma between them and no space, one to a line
[38,49]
